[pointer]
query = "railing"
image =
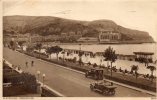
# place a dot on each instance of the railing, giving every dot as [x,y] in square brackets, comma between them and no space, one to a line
[10,65]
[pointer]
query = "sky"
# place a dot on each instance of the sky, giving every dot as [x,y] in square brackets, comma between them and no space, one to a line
[134,14]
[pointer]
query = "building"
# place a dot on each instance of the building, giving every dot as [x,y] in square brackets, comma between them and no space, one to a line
[74,51]
[69,37]
[88,40]
[71,34]
[16,37]
[32,38]
[145,57]
[109,36]
[126,57]
[52,38]
[36,38]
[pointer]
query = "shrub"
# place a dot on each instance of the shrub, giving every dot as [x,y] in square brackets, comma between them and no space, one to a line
[95,65]
[28,81]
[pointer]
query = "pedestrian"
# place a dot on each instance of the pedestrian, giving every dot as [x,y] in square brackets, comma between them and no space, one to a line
[120,69]
[111,83]
[16,67]
[32,63]
[19,67]
[26,64]
[13,66]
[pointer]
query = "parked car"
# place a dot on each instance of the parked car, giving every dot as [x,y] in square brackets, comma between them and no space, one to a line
[104,87]
[95,73]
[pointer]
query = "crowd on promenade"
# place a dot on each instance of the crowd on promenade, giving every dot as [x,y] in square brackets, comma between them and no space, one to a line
[100,61]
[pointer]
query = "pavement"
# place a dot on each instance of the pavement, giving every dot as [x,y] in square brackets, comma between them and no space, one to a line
[41,84]
[67,82]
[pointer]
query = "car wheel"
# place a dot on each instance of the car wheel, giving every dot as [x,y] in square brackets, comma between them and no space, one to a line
[102,92]
[105,92]
[113,92]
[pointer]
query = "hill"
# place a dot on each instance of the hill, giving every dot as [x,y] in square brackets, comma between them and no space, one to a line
[47,25]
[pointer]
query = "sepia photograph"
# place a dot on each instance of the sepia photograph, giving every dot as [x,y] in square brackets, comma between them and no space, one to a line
[81,48]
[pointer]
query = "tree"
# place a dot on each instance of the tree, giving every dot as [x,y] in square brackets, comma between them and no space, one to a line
[152,69]
[95,65]
[29,49]
[63,53]
[110,55]
[80,57]
[135,69]
[146,61]
[27,80]
[38,46]
[49,51]
[20,43]
[54,49]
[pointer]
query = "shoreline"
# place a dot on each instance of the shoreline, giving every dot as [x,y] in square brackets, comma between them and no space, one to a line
[99,43]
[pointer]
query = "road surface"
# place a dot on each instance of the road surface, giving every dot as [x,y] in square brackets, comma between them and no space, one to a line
[66,82]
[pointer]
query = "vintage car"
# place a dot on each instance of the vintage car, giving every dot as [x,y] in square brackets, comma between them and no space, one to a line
[104,87]
[95,73]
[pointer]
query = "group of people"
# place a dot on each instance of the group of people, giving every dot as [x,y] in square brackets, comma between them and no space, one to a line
[32,63]
[16,67]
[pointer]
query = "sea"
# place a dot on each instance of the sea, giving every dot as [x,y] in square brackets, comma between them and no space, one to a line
[126,49]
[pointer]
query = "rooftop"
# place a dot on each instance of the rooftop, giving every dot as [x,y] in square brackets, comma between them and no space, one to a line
[143,53]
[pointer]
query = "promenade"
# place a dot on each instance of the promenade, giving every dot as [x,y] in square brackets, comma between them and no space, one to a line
[65,81]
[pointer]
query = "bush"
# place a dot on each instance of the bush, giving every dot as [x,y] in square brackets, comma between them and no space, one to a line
[89,63]
[150,60]
[95,65]
[60,58]
[146,87]
[74,60]
[28,81]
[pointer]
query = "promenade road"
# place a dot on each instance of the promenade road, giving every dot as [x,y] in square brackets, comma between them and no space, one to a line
[66,82]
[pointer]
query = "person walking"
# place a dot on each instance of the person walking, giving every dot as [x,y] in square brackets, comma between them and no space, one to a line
[19,68]
[26,64]
[32,63]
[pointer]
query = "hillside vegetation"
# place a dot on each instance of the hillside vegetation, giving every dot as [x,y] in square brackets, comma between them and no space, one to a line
[46,25]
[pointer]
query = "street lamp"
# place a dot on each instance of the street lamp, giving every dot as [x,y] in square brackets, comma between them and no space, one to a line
[63,55]
[43,78]
[101,61]
[38,73]
[80,46]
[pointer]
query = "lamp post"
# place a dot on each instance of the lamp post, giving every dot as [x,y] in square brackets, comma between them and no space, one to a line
[80,47]
[101,61]
[38,73]
[43,78]
[63,55]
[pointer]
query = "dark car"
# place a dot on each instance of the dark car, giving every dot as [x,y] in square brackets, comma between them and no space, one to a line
[95,73]
[106,88]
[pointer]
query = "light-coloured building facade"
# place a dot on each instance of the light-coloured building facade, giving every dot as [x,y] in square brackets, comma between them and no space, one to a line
[109,36]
